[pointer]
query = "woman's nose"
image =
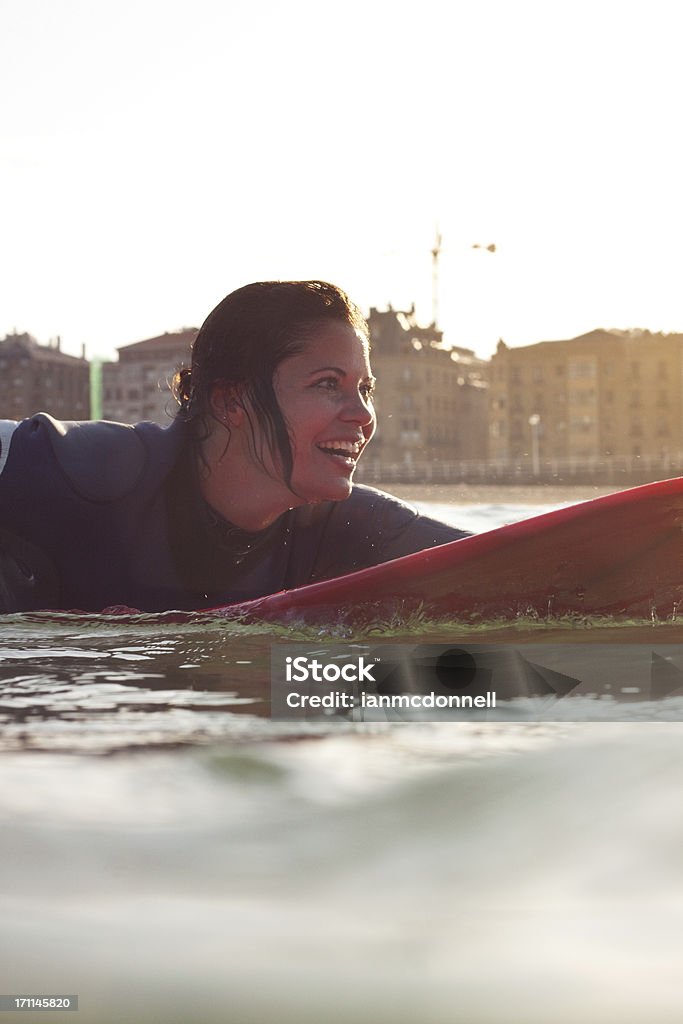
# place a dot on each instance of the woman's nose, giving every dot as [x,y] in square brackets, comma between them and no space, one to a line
[359,410]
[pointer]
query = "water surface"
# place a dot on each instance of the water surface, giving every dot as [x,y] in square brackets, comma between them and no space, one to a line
[170,853]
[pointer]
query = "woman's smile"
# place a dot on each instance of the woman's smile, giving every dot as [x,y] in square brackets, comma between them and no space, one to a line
[347,451]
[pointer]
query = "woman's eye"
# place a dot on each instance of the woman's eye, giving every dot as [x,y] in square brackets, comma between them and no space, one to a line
[333,384]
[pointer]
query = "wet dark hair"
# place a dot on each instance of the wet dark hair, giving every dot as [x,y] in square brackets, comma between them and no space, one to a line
[243,341]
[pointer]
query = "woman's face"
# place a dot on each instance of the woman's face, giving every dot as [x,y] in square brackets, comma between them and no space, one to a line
[325,394]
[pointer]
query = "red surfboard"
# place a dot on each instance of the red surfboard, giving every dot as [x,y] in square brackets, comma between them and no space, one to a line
[619,554]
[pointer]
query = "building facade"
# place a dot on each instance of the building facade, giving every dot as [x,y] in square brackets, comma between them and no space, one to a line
[42,378]
[137,387]
[431,401]
[604,395]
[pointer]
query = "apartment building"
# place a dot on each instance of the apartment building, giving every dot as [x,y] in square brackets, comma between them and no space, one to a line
[137,387]
[431,401]
[42,378]
[607,394]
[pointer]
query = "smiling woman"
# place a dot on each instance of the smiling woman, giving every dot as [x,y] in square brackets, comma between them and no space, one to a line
[248,492]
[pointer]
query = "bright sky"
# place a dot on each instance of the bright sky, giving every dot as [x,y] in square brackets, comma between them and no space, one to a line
[156,154]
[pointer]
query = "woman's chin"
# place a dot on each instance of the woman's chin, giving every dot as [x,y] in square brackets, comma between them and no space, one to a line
[331,490]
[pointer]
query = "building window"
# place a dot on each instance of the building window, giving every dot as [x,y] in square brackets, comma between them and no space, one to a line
[582,370]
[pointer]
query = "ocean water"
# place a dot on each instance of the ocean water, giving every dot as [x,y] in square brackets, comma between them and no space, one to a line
[478,518]
[169,853]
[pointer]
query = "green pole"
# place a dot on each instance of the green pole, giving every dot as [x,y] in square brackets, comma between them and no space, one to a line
[96,389]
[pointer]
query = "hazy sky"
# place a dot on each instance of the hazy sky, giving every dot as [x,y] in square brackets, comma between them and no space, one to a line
[155,155]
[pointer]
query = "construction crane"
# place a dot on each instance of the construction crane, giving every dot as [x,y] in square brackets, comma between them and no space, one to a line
[436,253]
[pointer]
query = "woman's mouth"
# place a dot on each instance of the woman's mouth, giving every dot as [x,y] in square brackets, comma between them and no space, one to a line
[347,452]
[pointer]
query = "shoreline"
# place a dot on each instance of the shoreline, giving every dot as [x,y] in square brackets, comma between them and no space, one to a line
[497,494]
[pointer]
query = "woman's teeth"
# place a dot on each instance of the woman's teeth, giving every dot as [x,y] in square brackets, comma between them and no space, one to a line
[345,449]
[345,446]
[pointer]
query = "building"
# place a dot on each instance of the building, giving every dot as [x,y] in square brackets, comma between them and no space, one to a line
[42,378]
[137,387]
[431,401]
[607,395]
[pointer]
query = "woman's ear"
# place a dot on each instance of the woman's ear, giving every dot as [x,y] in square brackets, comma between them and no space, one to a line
[226,405]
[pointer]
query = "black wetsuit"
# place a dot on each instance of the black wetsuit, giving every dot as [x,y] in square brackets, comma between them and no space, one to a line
[99,514]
